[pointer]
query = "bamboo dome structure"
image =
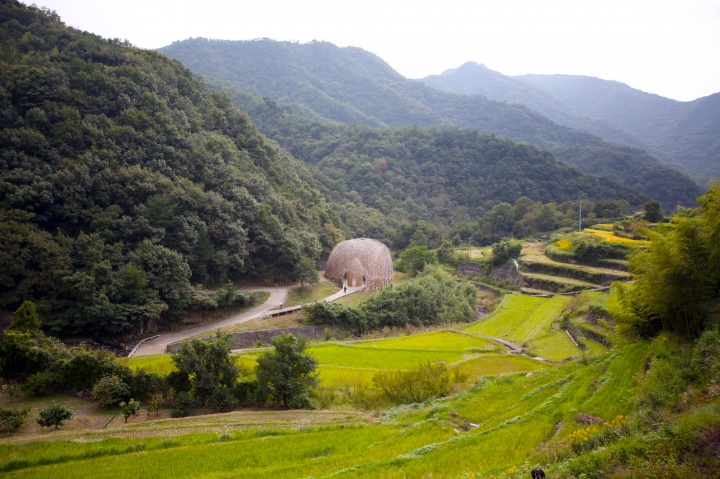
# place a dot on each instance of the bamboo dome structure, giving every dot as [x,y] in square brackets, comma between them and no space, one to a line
[360,261]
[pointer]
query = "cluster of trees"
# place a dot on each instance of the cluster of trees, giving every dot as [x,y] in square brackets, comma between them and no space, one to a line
[433,297]
[125,181]
[525,217]
[677,280]
[205,375]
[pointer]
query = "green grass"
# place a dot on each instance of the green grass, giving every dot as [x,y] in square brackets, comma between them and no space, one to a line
[309,294]
[439,340]
[528,321]
[515,415]
[354,357]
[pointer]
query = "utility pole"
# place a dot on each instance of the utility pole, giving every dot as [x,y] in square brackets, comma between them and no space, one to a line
[580,219]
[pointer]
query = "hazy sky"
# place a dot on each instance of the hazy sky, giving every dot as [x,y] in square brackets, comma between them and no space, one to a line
[668,47]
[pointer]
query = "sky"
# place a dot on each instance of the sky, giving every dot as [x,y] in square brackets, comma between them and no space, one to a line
[667,47]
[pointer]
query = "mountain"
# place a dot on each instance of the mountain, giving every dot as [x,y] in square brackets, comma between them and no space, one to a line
[687,133]
[682,134]
[349,85]
[123,180]
[475,79]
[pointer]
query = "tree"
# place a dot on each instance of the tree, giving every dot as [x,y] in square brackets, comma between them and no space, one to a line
[652,212]
[13,418]
[506,250]
[54,415]
[25,318]
[287,374]
[110,390]
[208,365]
[129,408]
[414,259]
[305,272]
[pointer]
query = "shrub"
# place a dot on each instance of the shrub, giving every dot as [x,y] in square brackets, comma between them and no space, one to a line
[129,408]
[222,399]
[336,314]
[42,382]
[54,415]
[506,250]
[110,391]
[154,405]
[429,381]
[144,384]
[207,365]
[184,404]
[13,418]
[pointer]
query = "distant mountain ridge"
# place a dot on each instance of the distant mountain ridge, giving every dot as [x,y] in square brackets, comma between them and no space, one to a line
[349,85]
[686,134]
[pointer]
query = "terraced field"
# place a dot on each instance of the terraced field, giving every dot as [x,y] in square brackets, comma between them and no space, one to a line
[528,321]
[468,435]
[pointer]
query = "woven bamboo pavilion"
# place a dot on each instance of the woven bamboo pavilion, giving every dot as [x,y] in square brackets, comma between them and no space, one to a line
[360,261]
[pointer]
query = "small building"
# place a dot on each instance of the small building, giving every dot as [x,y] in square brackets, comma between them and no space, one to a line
[360,261]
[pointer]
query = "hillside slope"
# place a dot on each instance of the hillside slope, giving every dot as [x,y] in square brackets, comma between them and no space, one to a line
[688,133]
[349,85]
[442,175]
[123,180]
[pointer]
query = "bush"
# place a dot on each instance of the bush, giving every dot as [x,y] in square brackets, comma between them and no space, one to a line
[505,250]
[54,415]
[13,418]
[84,368]
[129,408]
[222,399]
[42,382]
[429,381]
[110,391]
[144,384]
[184,404]
[336,314]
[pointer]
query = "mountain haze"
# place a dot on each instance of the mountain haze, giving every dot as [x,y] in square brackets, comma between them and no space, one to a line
[683,134]
[350,85]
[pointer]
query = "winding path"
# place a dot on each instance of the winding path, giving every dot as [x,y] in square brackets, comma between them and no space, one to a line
[159,344]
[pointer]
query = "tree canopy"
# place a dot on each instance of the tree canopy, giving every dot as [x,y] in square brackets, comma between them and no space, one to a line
[124,181]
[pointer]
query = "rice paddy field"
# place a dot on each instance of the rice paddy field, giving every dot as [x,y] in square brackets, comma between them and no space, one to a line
[528,322]
[511,409]
[505,422]
[610,237]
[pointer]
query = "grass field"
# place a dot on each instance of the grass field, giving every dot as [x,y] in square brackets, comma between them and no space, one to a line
[528,321]
[504,423]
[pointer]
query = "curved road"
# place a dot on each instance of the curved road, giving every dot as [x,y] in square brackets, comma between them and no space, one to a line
[277,295]
[159,344]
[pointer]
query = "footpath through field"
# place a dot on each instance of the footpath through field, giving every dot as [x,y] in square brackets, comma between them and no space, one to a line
[277,296]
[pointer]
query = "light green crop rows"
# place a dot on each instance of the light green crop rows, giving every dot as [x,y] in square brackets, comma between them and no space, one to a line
[514,416]
[532,328]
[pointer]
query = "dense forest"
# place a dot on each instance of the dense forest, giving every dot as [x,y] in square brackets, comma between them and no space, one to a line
[349,85]
[441,175]
[123,181]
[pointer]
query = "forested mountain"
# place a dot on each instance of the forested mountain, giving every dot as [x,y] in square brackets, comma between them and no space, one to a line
[350,85]
[123,180]
[686,134]
[442,175]
[475,79]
